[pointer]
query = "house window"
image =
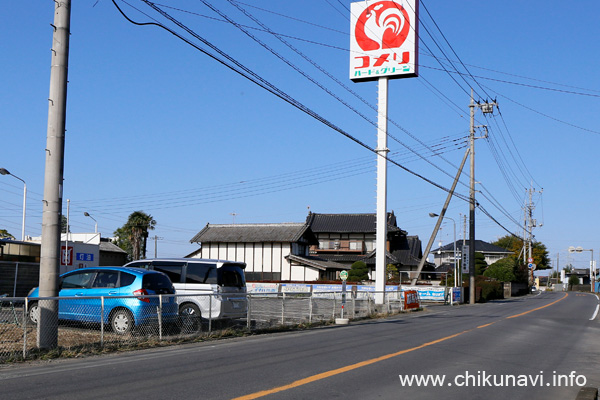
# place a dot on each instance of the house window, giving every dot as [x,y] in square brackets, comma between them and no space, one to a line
[370,246]
[299,249]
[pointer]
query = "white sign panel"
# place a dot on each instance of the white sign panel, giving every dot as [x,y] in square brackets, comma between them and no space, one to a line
[465,259]
[383,39]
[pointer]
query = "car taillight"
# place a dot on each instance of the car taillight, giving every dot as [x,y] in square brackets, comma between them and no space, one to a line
[142,292]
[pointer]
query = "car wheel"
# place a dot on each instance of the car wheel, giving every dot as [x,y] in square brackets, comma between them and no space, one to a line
[190,316]
[121,321]
[33,313]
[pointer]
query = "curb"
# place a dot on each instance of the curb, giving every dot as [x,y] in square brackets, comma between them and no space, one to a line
[587,393]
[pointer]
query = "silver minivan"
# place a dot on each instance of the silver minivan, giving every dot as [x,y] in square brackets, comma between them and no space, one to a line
[216,288]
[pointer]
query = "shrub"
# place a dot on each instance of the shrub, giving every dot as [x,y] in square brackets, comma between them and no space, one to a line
[490,289]
[358,272]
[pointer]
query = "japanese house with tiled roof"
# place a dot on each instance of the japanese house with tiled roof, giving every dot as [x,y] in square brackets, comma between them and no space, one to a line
[444,256]
[320,248]
[272,252]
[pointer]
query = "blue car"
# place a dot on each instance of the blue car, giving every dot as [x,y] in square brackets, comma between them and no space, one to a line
[122,314]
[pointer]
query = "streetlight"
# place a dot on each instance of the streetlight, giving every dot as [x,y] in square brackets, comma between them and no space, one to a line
[580,249]
[4,171]
[433,215]
[96,222]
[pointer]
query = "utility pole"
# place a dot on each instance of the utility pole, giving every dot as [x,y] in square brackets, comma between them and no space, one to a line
[486,108]
[156,239]
[53,176]
[440,216]
[529,224]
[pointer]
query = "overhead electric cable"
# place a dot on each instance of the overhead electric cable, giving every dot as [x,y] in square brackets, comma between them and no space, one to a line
[247,73]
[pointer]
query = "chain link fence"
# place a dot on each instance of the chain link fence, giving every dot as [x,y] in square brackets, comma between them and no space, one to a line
[93,324]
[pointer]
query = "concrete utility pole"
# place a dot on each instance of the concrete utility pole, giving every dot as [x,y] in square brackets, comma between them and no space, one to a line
[53,178]
[440,216]
[486,108]
[530,223]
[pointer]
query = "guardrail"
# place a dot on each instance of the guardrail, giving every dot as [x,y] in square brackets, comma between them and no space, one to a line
[92,323]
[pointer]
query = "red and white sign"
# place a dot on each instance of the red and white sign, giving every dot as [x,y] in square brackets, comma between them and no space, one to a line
[411,299]
[66,258]
[383,39]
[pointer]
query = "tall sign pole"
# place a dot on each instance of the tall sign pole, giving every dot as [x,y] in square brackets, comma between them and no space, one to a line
[383,46]
[53,178]
[381,216]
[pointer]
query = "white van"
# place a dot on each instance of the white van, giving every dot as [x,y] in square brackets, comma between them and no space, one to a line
[223,280]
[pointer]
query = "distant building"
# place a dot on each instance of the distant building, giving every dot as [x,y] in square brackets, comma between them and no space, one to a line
[20,261]
[443,257]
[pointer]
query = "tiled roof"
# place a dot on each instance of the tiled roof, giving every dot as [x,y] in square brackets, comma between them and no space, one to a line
[109,246]
[317,262]
[253,233]
[480,246]
[347,223]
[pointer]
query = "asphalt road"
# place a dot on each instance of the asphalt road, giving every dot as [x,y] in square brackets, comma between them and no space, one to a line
[538,347]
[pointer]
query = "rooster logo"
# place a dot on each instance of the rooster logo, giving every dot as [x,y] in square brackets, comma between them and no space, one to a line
[383,25]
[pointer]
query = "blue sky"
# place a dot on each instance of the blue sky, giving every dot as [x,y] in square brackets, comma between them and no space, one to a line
[155,125]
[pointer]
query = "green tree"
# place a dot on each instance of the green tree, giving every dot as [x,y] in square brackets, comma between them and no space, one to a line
[393,274]
[568,268]
[539,251]
[358,272]
[133,236]
[573,280]
[502,270]
[480,264]
[5,235]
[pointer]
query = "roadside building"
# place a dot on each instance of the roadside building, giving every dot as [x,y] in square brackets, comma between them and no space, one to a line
[318,249]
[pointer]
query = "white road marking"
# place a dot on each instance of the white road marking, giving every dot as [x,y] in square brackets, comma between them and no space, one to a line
[595,313]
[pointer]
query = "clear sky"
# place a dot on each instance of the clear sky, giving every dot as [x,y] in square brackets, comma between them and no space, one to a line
[155,125]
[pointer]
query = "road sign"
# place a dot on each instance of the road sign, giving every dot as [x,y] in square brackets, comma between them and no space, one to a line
[465,259]
[531,266]
[530,260]
[344,275]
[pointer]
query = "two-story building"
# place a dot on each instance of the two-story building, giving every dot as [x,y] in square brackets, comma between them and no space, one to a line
[320,248]
[272,252]
[443,257]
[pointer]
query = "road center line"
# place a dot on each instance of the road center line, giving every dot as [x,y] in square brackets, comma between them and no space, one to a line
[361,364]
[539,308]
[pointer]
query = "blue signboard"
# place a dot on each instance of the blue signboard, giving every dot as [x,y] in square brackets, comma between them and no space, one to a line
[84,256]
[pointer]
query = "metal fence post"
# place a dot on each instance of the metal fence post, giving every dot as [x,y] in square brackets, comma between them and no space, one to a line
[310,308]
[248,312]
[159,309]
[25,318]
[283,310]
[333,317]
[102,321]
[209,313]
[15,283]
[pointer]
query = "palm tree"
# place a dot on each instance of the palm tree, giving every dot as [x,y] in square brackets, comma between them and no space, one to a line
[137,227]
